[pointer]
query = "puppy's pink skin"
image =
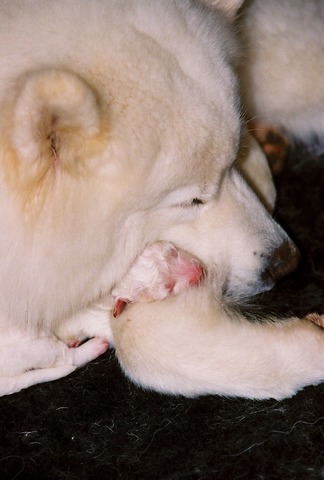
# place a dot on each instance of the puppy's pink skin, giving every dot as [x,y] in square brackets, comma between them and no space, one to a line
[161,270]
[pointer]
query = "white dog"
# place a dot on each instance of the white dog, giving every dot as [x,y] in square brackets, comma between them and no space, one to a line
[283,69]
[120,127]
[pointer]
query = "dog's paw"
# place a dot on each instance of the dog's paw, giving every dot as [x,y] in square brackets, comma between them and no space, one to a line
[71,334]
[88,351]
[274,143]
[91,322]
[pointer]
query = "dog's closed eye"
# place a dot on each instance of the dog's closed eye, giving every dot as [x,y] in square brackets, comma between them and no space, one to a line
[196,201]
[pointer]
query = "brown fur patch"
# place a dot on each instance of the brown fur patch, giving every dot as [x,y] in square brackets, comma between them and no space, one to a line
[63,152]
[274,142]
[316,318]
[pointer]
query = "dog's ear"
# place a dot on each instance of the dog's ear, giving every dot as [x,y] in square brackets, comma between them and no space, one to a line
[57,121]
[228,7]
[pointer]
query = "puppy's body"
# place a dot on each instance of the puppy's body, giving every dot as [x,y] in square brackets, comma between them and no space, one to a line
[120,127]
[160,271]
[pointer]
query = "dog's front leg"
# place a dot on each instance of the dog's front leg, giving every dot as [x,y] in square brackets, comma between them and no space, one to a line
[27,360]
[192,345]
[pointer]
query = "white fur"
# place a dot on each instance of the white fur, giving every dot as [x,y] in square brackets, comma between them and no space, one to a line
[116,116]
[283,68]
[215,350]
[159,271]
[26,359]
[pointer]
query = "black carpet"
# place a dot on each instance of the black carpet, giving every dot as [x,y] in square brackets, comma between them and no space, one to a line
[95,424]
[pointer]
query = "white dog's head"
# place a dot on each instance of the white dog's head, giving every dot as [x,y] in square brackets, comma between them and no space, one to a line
[120,129]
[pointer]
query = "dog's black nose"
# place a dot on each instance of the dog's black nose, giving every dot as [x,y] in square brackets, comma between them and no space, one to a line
[283,260]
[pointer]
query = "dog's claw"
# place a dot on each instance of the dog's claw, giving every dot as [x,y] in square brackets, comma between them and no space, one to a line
[73,343]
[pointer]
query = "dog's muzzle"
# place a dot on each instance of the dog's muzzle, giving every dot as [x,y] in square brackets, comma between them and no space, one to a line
[282,261]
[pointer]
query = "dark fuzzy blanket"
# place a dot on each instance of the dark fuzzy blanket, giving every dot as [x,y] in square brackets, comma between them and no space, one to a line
[96,424]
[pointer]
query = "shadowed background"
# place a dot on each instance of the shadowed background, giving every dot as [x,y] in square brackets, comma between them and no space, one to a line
[96,424]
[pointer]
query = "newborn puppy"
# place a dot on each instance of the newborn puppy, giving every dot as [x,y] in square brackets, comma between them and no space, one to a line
[159,271]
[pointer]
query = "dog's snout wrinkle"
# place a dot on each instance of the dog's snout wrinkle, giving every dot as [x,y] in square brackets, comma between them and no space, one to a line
[283,260]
